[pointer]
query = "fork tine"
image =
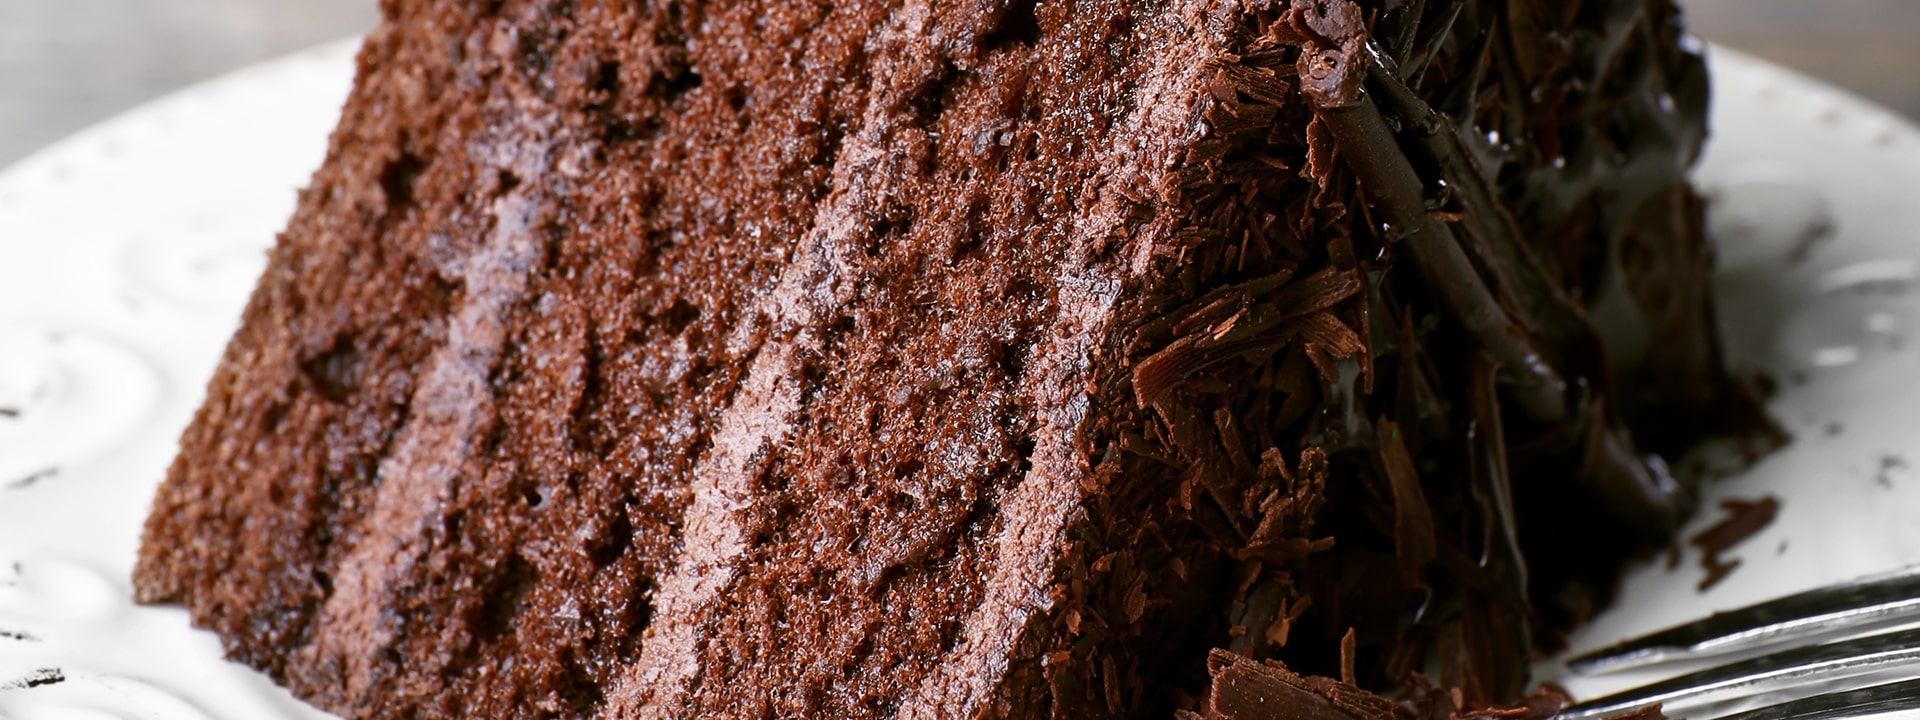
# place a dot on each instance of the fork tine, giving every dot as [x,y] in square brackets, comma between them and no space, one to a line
[1891,697]
[1818,613]
[1776,673]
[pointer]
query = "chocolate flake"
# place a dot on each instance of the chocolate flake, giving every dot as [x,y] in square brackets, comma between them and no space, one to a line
[1349,650]
[1464,270]
[1236,322]
[1247,690]
[1745,519]
[1413,536]
[1492,483]
[38,678]
[1395,191]
[18,636]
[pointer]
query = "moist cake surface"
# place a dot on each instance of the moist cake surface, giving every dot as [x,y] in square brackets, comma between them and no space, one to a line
[873,359]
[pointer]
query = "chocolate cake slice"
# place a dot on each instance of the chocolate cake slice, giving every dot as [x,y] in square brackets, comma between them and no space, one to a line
[996,358]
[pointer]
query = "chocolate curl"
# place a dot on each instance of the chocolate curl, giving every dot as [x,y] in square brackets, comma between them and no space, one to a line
[1516,275]
[1247,690]
[1490,638]
[1333,63]
[1331,73]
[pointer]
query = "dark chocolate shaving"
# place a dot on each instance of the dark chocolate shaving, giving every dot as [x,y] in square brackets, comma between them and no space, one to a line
[1489,233]
[1637,488]
[1396,196]
[1456,559]
[38,678]
[1431,35]
[1237,321]
[1493,485]
[1492,636]
[1745,519]
[1349,649]
[1413,535]
[1472,300]
[1244,689]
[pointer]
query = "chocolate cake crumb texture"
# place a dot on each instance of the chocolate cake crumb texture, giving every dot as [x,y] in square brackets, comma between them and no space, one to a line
[998,359]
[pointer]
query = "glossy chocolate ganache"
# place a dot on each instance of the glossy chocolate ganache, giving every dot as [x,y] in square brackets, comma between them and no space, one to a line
[989,359]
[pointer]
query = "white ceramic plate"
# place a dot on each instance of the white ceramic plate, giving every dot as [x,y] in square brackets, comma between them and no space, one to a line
[127,252]
[1816,211]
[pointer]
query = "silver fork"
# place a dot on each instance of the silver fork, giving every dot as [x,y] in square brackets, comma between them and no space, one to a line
[1840,651]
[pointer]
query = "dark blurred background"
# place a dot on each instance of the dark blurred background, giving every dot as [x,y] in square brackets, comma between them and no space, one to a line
[66,64]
